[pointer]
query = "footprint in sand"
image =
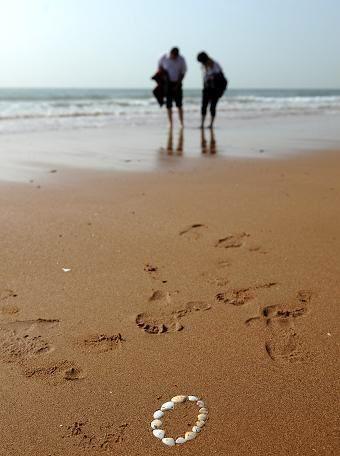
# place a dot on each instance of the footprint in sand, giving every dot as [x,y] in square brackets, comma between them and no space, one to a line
[56,372]
[163,322]
[257,249]
[270,314]
[194,231]
[217,282]
[236,297]
[8,307]
[231,241]
[150,268]
[154,272]
[158,325]
[95,437]
[283,343]
[72,373]
[102,343]
[241,296]
[160,295]
[222,264]
[23,342]
[20,340]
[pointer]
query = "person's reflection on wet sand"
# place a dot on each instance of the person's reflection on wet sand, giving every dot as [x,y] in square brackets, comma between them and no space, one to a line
[211,148]
[170,144]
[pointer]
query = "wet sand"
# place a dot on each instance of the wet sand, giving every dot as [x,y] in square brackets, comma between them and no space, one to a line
[120,290]
[30,155]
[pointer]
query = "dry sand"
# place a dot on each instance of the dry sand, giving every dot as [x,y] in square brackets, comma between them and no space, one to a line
[220,281]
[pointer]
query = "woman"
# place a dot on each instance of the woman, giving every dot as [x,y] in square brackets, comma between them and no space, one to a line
[215,84]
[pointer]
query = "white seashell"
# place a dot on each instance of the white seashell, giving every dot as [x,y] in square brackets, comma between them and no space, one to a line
[190,435]
[179,399]
[156,424]
[203,410]
[200,424]
[180,440]
[200,403]
[159,433]
[167,406]
[66,269]
[196,429]
[193,398]
[202,417]
[158,414]
[168,441]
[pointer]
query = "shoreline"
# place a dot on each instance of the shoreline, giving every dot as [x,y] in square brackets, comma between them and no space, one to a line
[25,156]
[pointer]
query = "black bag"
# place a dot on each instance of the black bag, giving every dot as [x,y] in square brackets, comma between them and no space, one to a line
[221,83]
[160,91]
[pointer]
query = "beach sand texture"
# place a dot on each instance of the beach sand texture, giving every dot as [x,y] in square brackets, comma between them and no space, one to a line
[119,291]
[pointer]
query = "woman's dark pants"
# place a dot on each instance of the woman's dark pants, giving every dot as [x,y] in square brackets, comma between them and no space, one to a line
[209,96]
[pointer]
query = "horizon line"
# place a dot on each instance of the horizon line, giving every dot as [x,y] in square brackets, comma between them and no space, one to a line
[151,88]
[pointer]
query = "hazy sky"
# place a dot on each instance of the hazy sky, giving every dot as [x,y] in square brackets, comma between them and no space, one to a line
[116,43]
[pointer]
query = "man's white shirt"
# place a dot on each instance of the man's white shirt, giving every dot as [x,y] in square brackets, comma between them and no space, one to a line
[174,67]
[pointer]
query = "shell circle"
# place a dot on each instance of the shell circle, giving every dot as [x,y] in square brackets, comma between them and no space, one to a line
[156,423]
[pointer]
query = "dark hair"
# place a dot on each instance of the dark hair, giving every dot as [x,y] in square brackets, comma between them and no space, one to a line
[203,57]
[174,51]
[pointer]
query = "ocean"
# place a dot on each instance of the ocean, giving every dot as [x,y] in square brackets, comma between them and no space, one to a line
[23,110]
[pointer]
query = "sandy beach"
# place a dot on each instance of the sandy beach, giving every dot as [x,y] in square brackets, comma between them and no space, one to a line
[120,290]
[169,228]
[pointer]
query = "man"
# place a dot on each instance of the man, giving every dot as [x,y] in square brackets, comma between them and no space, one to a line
[175,67]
